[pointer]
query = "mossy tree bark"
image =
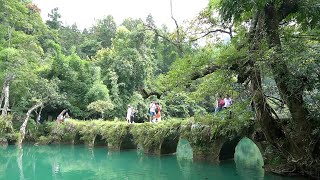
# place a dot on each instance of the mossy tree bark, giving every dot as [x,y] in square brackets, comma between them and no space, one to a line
[292,95]
[295,144]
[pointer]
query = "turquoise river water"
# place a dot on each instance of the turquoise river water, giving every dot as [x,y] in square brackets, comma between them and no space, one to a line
[79,162]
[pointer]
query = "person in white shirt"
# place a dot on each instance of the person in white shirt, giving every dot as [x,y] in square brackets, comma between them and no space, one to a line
[129,112]
[152,111]
[227,101]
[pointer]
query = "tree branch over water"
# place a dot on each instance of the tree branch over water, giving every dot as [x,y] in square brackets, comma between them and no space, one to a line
[146,95]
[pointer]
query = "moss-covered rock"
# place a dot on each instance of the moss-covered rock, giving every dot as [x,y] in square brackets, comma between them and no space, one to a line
[204,133]
[117,134]
[151,136]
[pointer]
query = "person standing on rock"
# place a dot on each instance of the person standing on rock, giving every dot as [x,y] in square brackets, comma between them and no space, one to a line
[158,113]
[129,113]
[227,101]
[152,111]
[219,104]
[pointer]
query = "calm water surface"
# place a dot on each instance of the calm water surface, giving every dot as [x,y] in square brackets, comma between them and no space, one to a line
[79,162]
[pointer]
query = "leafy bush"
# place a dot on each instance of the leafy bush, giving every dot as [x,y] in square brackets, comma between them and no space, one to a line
[5,126]
[43,140]
[34,130]
[13,137]
[180,105]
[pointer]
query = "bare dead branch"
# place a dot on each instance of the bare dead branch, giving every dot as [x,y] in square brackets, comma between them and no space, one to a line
[210,32]
[175,21]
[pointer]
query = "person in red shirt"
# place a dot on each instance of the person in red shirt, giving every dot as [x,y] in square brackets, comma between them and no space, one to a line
[158,112]
[219,104]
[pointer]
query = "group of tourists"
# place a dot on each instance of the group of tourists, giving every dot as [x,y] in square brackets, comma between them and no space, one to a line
[154,112]
[223,103]
[130,114]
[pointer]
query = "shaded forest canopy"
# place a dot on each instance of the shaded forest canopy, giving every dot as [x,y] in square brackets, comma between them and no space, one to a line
[270,65]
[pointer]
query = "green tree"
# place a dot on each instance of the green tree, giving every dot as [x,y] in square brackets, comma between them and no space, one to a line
[54,19]
[71,40]
[126,65]
[105,30]
[100,107]
[265,35]
[90,47]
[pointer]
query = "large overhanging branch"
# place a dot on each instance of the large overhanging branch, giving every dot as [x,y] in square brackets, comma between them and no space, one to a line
[206,71]
[213,68]
[146,94]
[242,77]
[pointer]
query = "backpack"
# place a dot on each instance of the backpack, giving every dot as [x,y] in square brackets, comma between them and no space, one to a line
[221,102]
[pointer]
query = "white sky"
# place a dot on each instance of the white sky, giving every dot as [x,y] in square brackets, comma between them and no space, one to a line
[85,12]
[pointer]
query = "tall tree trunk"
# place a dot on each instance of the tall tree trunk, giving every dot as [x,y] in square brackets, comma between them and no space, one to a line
[6,101]
[268,124]
[39,115]
[25,122]
[5,95]
[293,95]
[2,96]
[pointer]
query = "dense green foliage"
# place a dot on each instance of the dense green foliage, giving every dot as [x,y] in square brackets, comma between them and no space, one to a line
[263,53]
[106,65]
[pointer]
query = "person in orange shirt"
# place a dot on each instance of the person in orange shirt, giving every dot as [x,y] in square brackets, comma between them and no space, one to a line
[158,113]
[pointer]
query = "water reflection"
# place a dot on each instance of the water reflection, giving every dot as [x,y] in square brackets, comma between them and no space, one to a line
[80,162]
[184,157]
[184,150]
[20,163]
[248,159]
